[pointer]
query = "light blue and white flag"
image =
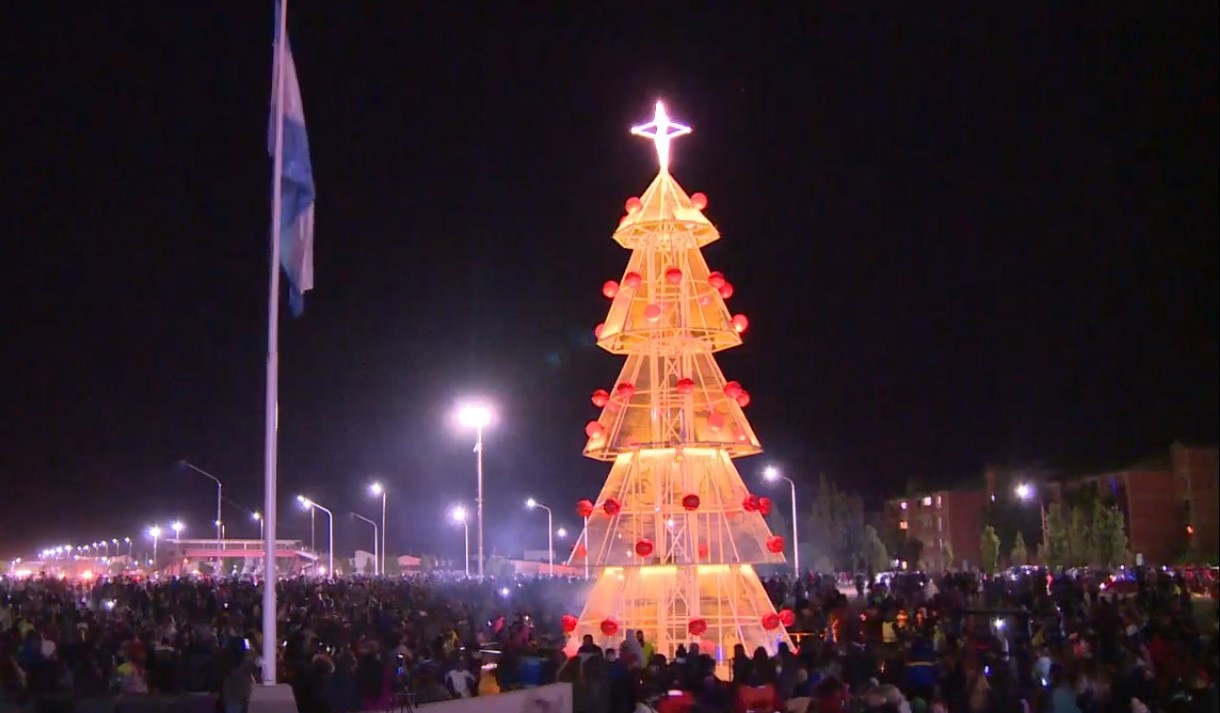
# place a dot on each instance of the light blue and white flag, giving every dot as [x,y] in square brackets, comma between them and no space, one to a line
[296,182]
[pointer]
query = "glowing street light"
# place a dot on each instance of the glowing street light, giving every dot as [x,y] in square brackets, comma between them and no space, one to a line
[550,533]
[330,517]
[772,474]
[376,489]
[177,527]
[459,514]
[561,533]
[258,517]
[477,416]
[155,533]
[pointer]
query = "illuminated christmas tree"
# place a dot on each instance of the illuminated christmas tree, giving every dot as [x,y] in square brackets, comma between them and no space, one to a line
[674,534]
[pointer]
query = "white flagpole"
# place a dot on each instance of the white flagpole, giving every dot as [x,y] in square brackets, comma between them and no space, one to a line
[270,578]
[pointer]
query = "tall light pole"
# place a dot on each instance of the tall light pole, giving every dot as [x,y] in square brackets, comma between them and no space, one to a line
[1027,492]
[155,533]
[219,499]
[459,515]
[258,517]
[772,474]
[550,534]
[376,542]
[330,555]
[130,547]
[377,489]
[477,416]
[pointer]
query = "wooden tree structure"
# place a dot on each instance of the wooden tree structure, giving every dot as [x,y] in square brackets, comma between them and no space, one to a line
[675,533]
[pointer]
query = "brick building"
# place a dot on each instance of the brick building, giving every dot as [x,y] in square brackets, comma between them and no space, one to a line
[1167,502]
[1196,474]
[953,517]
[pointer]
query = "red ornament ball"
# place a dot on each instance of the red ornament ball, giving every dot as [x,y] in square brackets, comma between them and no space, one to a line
[643,547]
[609,627]
[733,389]
[770,622]
[716,279]
[715,419]
[611,507]
[740,323]
[685,386]
[703,550]
[743,399]
[652,312]
[580,550]
[787,617]
[632,280]
[600,398]
[690,502]
[696,627]
[597,331]
[764,506]
[594,429]
[633,205]
[625,390]
[673,276]
[775,544]
[750,503]
[568,623]
[584,508]
[699,200]
[610,288]
[726,290]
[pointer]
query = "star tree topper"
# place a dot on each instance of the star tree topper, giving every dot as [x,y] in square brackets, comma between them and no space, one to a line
[661,130]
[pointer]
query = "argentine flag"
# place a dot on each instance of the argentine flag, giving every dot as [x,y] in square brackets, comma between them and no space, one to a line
[296,182]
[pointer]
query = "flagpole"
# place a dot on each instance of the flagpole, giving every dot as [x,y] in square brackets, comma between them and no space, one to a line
[270,578]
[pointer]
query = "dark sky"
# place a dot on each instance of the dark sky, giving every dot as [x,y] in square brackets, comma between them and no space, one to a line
[962,235]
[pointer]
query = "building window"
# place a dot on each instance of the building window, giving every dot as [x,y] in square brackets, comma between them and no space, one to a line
[939,502]
[902,505]
[903,525]
[927,501]
[940,524]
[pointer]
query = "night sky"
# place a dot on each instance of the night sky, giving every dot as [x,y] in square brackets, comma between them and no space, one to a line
[962,235]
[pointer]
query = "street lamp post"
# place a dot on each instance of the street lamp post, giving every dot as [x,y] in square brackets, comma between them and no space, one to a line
[772,473]
[376,489]
[550,534]
[477,416]
[258,517]
[219,500]
[330,537]
[376,542]
[155,533]
[459,515]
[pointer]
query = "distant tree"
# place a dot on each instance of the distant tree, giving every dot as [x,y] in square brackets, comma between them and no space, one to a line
[946,555]
[1078,538]
[369,568]
[989,544]
[392,567]
[877,559]
[1109,534]
[836,527]
[1057,548]
[1019,556]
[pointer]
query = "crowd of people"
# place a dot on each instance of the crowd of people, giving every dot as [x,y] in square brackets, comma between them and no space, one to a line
[955,643]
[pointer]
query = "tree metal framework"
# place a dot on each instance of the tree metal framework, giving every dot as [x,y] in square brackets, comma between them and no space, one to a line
[675,533]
